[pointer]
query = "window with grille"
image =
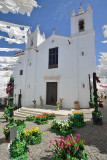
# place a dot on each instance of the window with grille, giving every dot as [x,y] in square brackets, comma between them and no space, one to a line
[81,25]
[53,58]
[21,72]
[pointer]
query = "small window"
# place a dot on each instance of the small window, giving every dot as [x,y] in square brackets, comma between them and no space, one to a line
[81,25]
[21,72]
[53,58]
[31,42]
[82,53]
[83,85]
[30,63]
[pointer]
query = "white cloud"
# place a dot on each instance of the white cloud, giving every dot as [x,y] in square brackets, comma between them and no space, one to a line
[104,41]
[9,49]
[18,6]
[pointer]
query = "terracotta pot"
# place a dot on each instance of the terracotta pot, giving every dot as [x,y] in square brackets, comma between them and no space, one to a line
[41,103]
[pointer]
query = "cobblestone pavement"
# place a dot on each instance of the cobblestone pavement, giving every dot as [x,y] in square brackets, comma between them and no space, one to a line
[95,137]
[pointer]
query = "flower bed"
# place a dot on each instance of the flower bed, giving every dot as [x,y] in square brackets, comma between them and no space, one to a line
[77,119]
[49,115]
[62,127]
[70,149]
[41,120]
[30,118]
[22,157]
[32,136]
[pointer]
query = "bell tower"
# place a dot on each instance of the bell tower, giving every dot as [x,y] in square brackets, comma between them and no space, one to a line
[83,22]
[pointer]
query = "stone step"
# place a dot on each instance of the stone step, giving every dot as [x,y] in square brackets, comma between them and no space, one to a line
[24,112]
[19,116]
[41,111]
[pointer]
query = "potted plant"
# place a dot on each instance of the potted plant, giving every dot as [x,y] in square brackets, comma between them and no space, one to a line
[60,99]
[41,101]
[57,105]
[34,103]
[97,118]
[96,114]
[6,131]
[77,119]
[71,148]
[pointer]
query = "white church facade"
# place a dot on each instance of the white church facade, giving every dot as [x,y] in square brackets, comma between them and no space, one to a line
[58,67]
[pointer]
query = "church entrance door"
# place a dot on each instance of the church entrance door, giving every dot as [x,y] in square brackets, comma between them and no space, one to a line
[51,94]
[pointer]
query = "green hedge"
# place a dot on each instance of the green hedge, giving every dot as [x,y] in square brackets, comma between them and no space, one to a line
[63,133]
[22,157]
[41,122]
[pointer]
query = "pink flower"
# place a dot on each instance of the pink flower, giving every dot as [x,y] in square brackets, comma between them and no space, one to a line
[50,141]
[62,141]
[74,142]
[77,135]
[70,139]
[56,140]
[66,140]
[61,147]
[70,144]
[83,141]
[78,140]
[62,137]
[50,146]
[65,147]
[68,136]
[76,149]
[4,127]
[68,151]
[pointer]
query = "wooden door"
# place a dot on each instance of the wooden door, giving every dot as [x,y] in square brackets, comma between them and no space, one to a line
[51,96]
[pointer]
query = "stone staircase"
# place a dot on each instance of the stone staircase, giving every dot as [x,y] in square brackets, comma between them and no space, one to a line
[23,112]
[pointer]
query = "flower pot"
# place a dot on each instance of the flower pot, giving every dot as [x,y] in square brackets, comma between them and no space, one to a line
[7,137]
[57,109]
[41,103]
[76,103]
[96,120]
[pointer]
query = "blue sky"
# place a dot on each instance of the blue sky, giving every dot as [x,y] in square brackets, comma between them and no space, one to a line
[56,14]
